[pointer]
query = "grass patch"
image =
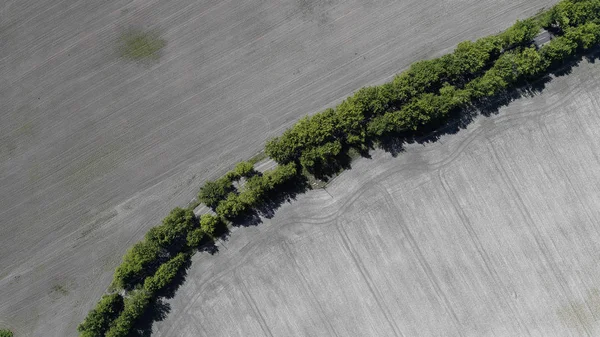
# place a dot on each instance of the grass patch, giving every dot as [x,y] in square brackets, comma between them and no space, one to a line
[59,289]
[140,46]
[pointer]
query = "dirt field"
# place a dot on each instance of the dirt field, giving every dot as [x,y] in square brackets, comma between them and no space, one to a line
[94,150]
[493,231]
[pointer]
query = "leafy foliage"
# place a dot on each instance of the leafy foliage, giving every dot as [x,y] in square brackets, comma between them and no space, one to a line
[195,238]
[135,305]
[232,207]
[214,191]
[141,257]
[160,242]
[174,229]
[242,169]
[210,224]
[99,319]
[165,274]
[5,333]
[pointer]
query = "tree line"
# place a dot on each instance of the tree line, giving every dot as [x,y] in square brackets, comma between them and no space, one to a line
[419,99]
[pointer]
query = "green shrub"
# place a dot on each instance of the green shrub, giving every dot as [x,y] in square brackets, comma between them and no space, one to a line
[99,319]
[214,191]
[5,333]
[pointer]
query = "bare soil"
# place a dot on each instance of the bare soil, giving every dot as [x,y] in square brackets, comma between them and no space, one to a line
[96,149]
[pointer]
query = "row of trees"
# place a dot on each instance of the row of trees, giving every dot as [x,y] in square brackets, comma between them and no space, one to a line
[136,304]
[147,268]
[315,140]
[152,264]
[230,202]
[418,99]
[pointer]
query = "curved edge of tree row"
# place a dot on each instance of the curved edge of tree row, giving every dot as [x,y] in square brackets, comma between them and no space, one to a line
[415,102]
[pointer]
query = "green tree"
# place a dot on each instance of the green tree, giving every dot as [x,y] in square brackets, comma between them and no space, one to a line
[135,305]
[529,63]
[195,238]
[558,50]
[585,36]
[280,175]
[174,229]
[140,258]
[521,33]
[210,224]
[99,319]
[165,274]
[231,207]
[319,158]
[305,134]
[214,191]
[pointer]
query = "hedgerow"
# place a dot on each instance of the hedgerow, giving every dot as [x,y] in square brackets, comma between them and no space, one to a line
[417,100]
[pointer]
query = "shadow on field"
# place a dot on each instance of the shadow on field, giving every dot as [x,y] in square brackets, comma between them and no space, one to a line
[159,308]
[267,208]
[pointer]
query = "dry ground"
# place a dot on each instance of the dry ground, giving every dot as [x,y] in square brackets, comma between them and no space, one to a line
[94,150]
[493,231]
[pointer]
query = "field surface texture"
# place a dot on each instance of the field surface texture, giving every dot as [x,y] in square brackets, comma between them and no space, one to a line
[95,149]
[492,231]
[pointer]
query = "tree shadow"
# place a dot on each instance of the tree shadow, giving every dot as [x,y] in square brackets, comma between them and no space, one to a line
[272,201]
[286,193]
